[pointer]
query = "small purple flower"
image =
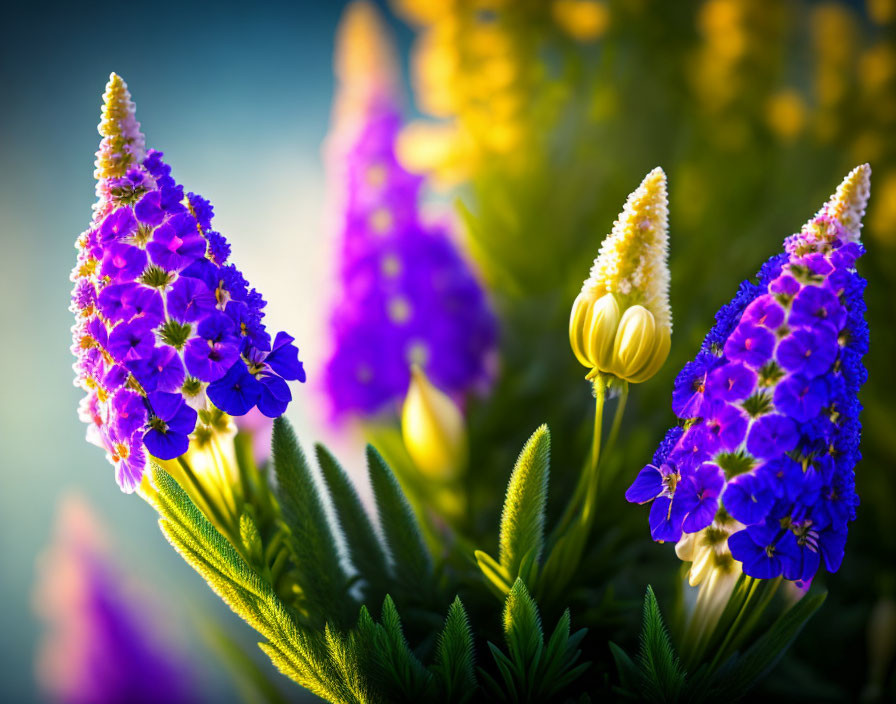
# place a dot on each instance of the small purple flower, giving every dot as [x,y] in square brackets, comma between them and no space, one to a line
[176,244]
[801,398]
[123,262]
[162,370]
[809,352]
[750,344]
[748,497]
[689,394]
[170,425]
[757,547]
[215,349]
[814,305]
[189,300]
[149,209]
[117,226]
[771,436]
[765,311]
[131,341]
[700,491]
[732,382]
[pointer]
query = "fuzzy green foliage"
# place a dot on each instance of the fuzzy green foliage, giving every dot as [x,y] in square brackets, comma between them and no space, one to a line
[521,534]
[453,669]
[523,518]
[411,562]
[364,548]
[298,653]
[533,671]
[320,576]
[664,676]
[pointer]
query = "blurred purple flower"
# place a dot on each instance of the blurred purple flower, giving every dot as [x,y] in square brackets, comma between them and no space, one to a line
[103,644]
[407,295]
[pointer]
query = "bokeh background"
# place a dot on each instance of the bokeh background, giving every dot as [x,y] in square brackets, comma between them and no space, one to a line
[756,110]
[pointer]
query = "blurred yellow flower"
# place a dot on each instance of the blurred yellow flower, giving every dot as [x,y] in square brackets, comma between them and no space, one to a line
[785,113]
[583,20]
[881,11]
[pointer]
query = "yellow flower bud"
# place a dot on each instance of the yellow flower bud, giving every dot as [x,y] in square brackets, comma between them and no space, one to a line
[592,329]
[620,323]
[634,343]
[433,429]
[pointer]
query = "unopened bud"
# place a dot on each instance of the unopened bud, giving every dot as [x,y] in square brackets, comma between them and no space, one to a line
[433,429]
[592,329]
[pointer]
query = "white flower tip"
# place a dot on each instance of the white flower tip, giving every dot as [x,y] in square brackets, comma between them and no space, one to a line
[847,204]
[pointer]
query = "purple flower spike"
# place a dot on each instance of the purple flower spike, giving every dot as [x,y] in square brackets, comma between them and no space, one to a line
[407,295]
[769,407]
[160,314]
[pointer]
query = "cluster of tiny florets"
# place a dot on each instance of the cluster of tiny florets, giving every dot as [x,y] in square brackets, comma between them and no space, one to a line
[632,259]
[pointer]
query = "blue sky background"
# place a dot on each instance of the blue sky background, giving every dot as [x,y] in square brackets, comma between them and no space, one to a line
[237,95]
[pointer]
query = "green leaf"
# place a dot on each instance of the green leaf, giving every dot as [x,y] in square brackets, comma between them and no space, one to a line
[522,626]
[411,678]
[628,672]
[523,517]
[499,580]
[293,651]
[322,578]
[411,562]
[742,672]
[366,552]
[662,676]
[454,657]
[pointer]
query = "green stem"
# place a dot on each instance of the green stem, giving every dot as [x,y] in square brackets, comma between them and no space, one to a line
[589,471]
[197,486]
[617,422]
[732,630]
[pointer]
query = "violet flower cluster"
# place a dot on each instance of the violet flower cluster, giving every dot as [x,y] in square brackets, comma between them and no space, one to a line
[164,323]
[105,641]
[769,412]
[407,295]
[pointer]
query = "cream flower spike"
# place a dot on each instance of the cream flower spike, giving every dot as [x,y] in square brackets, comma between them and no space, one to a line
[365,62]
[847,205]
[621,323]
[123,144]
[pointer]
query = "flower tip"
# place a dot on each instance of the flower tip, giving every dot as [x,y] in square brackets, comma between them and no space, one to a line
[122,145]
[433,429]
[847,204]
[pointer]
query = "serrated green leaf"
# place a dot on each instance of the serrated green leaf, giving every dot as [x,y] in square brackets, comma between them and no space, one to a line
[523,516]
[454,657]
[522,626]
[411,562]
[662,676]
[322,579]
[366,553]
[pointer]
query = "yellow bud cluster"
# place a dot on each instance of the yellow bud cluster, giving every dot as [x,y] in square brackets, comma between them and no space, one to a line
[620,322]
